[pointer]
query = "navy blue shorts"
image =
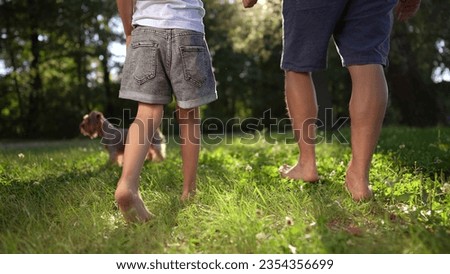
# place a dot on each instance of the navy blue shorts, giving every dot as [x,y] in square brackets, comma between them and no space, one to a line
[360,28]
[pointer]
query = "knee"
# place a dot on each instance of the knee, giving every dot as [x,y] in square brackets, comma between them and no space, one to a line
[188,116]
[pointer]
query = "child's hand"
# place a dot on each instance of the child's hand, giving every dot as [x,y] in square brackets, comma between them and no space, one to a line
[406,9]
[249,3]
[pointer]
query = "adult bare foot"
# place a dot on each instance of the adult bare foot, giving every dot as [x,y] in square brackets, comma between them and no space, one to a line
[358,186]
[132,206]
[298,172]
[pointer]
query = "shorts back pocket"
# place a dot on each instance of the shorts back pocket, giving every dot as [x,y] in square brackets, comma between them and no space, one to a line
[195,64]
[144,58]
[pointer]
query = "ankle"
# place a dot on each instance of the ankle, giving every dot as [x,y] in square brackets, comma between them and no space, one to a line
[189,190]
[357,172]
[307,161]
[125,194]
[124,198]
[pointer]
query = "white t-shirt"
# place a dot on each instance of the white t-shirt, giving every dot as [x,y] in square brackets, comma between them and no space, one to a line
[171,14]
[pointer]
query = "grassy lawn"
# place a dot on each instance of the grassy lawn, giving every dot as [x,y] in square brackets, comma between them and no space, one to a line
[57,197]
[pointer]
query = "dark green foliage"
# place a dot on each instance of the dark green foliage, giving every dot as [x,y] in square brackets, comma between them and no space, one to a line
[58,65]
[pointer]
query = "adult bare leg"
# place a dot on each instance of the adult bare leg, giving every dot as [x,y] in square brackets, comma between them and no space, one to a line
[367,109]
[302,107]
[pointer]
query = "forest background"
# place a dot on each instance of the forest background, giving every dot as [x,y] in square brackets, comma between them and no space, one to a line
[57,63]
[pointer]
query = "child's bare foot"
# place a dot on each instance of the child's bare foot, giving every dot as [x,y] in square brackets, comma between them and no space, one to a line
[299,172]
[132,206]
[358,186]
[186,196]
[188,192]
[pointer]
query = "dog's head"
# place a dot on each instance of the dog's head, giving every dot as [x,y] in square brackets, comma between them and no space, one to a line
[91,125]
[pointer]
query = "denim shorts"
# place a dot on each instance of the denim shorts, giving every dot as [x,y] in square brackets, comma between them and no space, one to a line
[165,62]
[360,29]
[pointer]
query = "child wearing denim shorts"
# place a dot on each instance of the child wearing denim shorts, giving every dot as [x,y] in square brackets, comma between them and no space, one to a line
[167,55]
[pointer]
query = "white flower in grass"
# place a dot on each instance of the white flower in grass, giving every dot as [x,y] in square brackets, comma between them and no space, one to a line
[401,146]
[261,236]
[289,221]
[259,212]
[21,155]
[301,187]
[437,160]
[407,209]
[248,168]
[110,220]
[446,188]
[293,249]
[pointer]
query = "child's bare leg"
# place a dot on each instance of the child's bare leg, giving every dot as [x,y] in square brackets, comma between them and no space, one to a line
[367,109]
[140,133]
[302,106]
[190,135]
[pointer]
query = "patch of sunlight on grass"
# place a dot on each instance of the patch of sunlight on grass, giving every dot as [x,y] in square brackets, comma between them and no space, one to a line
[59,198]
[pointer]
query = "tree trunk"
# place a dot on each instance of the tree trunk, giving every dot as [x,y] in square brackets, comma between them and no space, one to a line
[12,57]
[34,100]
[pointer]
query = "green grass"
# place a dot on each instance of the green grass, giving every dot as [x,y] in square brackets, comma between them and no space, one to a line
[57,197]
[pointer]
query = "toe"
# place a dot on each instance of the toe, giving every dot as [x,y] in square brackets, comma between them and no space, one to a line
[284,169]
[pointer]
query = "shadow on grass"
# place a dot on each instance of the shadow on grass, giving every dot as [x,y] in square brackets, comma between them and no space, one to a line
[346,227]
[161,188]
[371,227]
[420,149]
[33,207]
[407,215]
